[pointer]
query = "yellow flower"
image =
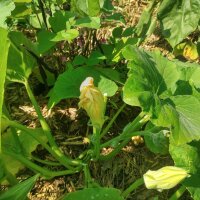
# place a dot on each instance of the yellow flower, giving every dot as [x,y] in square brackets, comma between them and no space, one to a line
[92,100]
[164,178]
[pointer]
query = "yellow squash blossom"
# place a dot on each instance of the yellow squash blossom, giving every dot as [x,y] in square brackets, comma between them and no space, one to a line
[164,178]
[92,100]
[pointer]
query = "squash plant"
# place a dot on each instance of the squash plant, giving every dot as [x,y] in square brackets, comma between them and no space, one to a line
[167,91]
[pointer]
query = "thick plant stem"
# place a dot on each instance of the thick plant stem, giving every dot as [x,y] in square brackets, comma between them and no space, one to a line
[137,123]
[43,122]
[115,151]
[132,187]
[45,172]
[112,120]
[68,163]
[178,193]
[96,143]
[45,161]
[60,156]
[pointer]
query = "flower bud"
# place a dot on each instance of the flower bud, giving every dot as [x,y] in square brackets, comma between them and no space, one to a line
[164,178]
[92,100]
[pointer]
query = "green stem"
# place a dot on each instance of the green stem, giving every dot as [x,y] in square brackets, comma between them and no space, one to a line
[45,172]
[112,120]
[132,187]
[115,151]
[45,161]
[129,131]
[68,163]
[62,158]
[96,143]
[178,193]
[43,122]
[88,178]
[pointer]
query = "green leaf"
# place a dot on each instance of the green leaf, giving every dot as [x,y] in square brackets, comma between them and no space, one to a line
[150,76]
[145,20]
[89,22]
[6,6]
[95,58]
[87,7]
[189,72]
[68,83]
[20,64]
[19,191]
[22,1]
[178,19]
[117,32]
[68,35]
[4,46]
[157,142]
[186,126]
[95,193]
[36,21]
[27,143]
[59,20]
[187,156]
[79,60]
[21,10]
[44,39]
[117,17]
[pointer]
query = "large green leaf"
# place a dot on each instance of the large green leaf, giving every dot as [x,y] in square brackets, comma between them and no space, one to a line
[21,10]
[178,113]
[68,83]
[44,39]
[4,46]
[157,142]
[186,126]
[68,35]
[187,156]
[88,7]
[19,191]
[178,19]
[6,6]
[95,193]
[59,20]
[89,22]
[20,61]
[150,77]
[147,23]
